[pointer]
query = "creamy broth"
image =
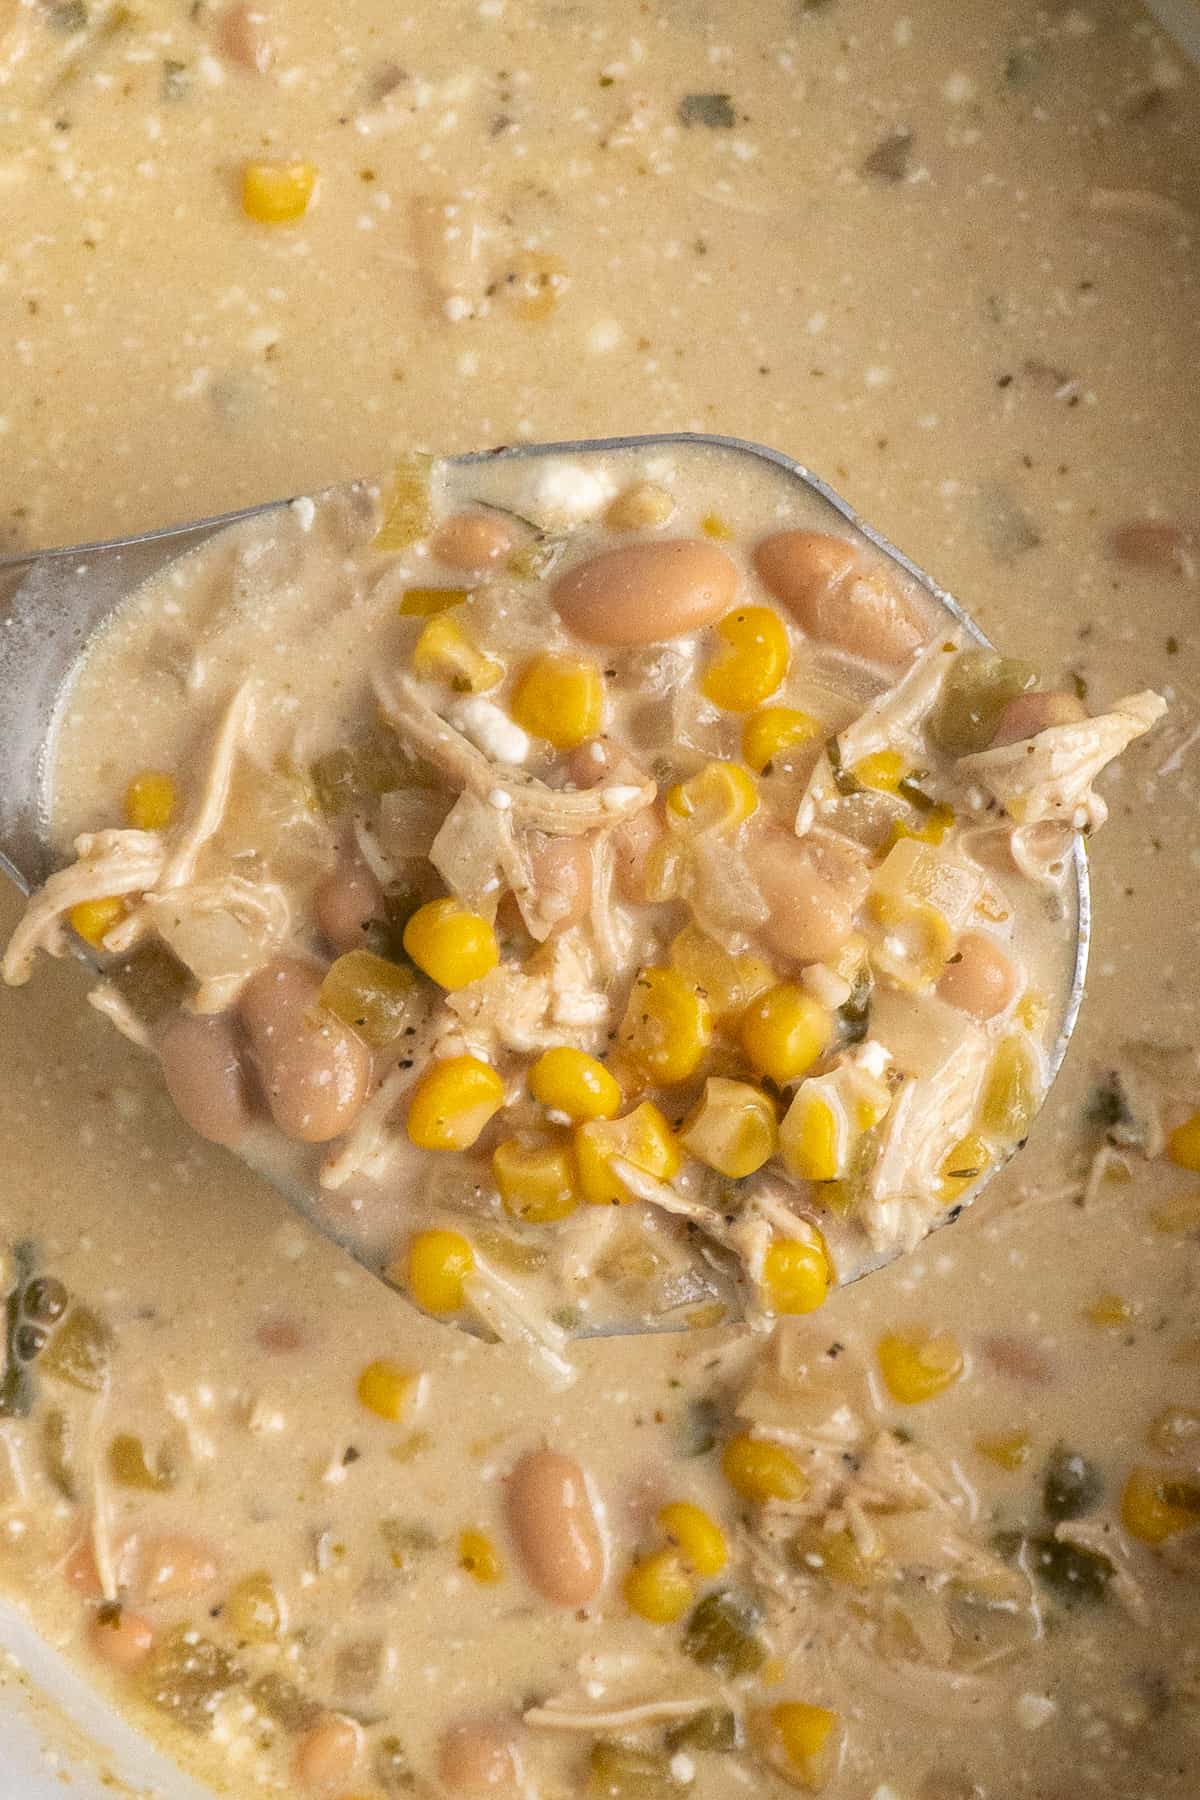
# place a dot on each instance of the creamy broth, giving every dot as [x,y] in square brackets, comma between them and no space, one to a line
[949,260]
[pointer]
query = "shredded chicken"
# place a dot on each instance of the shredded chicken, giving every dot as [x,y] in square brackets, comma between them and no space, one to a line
[1050,776]
[553,1000]
[558,812]
[223,930]
[564,1715]
[516,1320]
[108,999]
[209,809]
[108,864]
[894,720]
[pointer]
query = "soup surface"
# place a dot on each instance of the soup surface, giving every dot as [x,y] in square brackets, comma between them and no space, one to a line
[939,1538]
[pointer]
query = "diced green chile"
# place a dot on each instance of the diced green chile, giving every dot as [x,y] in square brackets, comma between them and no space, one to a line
[1072,1485]
[187,1677]
[17,1385]
[620,1772]
[80,1352]
[130,1467]
[715,111]
[392,1769]
[976,690]
[699,1426]
[281,1700]
[715,1728]
[1072,1574]
[722,1633]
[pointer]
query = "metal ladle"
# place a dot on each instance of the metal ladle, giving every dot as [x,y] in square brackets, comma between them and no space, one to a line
[52,604]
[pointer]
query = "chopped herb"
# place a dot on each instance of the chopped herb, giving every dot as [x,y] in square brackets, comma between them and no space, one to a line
[889,160]
[1072,1485]
[713,110]
[722,1634]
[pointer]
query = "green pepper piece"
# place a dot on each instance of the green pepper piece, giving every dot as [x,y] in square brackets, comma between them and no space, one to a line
[1072,1485]
[976,691]
[722,1633]
[80,1352]
[715,1729]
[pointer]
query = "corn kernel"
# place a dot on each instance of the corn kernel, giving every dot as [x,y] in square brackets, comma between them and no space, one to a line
[936,825]
[917,1365]
[444,652]
[1108,1311]
[452,1102]
[697,1536]
[760,1470]
[451,945]
[667,1026]
[438,1265]
[1031,1010]
[1183,1145]
[774,730]
[717,798]
[814,1137]
[714,526]
[150,800]
[1009,1450]
[658,1588]
[254,1609]
[93,919]
[642,1138]
[1156,1504]
[732,1128]
[478,1555]
[560,699]
[536,1180]
[804,1734]
[784,1031]
[572,1082]
[276,193]
[752,661]
[728,982]
[386,1389]
[962,1165]
[884,770]
[427,602]
[796,1275]
[639,508]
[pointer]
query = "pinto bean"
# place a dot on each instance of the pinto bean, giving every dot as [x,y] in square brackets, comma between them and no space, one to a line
[821,580]
[554,1526]
[175,1567]
[1028,714]
[979,979]
[646,593]
[812,890]
[562,875]
[242,37]
[473,541]
[313,1069]
[326,1755]
[346,902]
[479,1757]
[121,1638]
[205,1077]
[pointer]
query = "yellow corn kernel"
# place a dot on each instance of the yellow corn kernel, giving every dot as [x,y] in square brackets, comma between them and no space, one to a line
[150,800]
[752,661]
[1179,1217]
[883,770]
[714,526]
[1183,1145]
[935,826]
[639,508]
[796,1274]
[407,507]
[536,1180]
[760,1470]
[427,602]
[717,798]
[728,982]
[961,1167]
[478,1555]
[1031,1010]
[451,945]
[732,1128]
[784,1031]
[444,652]
[438,1264]
[1010,1094]
[658,1588]
[386,1389]
[93,919]
[667,1026]
[1108,1311]
[774,730]
[572,1082]
[560,699]
[815,1134]
[697,1536]
[452,1102]
[254,1609]
[275,193]
[804,1735]
[1009,1450]
[917,1365]
[1158,1503]
[642,1138]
